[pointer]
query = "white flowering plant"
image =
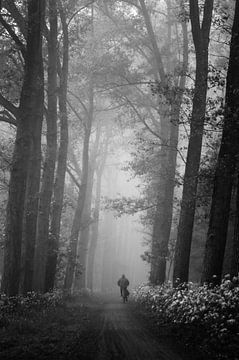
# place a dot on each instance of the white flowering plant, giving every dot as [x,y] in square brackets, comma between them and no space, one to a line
[31,306]
[207,317]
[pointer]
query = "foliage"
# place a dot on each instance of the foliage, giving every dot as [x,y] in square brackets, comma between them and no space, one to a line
[27,307]
[124,205]
[49,326]
[205,317]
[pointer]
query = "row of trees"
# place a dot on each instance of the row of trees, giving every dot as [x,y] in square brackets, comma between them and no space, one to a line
[81,70]
[202,104]
[27,219]
[51,177]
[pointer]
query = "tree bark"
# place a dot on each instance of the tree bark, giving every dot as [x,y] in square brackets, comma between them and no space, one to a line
[86,216]
[50,160]
[17,16]
[57,203]
[82,250]
[185,228]
[75,230]
[153,40]
[234,263]
[32,200]
[30,103]
[225,168]
[77,221]
[95,226]
[164,209]
[95,232]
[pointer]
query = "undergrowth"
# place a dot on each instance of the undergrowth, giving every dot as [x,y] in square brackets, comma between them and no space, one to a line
[203,317]
[48,326]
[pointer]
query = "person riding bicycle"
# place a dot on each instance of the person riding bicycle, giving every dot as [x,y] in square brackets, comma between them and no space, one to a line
[123,282]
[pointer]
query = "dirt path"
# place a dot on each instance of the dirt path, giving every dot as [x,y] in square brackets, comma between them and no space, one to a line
[86,328]
[123,336]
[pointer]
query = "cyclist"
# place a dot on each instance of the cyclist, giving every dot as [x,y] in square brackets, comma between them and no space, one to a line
[123,282]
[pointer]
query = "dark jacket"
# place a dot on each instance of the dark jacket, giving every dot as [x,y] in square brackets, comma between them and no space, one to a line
[123,282]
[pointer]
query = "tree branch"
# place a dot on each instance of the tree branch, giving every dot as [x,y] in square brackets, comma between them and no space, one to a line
[75,112]
[81,102]
[195,22]
[9,106]
[207,19]
[79,10]
[16,15]
[153,41]
[5,116]
[73,178]
[15,38]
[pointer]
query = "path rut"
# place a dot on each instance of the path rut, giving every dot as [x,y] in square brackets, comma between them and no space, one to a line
[123,336]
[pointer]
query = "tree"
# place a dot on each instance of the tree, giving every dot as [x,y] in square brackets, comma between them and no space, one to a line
[86,215]
[58,193]
[30,114]
[159,117]
[164,207]
[102,155]
[50,156]
[225,167]
[77,221]
[200,31]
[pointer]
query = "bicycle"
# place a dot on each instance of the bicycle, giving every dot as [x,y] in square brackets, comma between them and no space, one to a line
[125,294]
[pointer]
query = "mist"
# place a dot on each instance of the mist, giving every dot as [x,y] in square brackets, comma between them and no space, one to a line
[121,237]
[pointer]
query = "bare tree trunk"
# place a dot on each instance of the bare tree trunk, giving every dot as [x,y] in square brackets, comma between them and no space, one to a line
[153,40]
[234,265]
[95,232]
[95,227]
[30,103]
[75,230]
[225,168]
[49,165]
[164,210]
[57,202]
[80,279]
[32,201]
[185,229]
[86,216]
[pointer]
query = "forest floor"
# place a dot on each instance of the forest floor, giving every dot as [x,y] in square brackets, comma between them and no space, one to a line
[91,329]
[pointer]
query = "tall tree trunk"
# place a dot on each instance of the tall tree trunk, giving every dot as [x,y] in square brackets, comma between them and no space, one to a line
[57,203]
[185,228]
[80,279]
[225,168]
[231,231]
[234,264]
[86,216]
[77,221]
[50,160]
[153,40]
[32,200]
[95,232]
[109,227]
[158,249]
[95,226]
[30,102]
[75,230]
[164,209]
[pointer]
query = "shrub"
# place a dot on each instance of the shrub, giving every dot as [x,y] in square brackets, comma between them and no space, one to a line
[208,317]
[20,310]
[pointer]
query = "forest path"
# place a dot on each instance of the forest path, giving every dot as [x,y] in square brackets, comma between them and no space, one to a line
[124,336]
[86,328]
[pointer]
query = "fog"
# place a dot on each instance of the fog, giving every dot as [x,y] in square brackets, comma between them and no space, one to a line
[121,238]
